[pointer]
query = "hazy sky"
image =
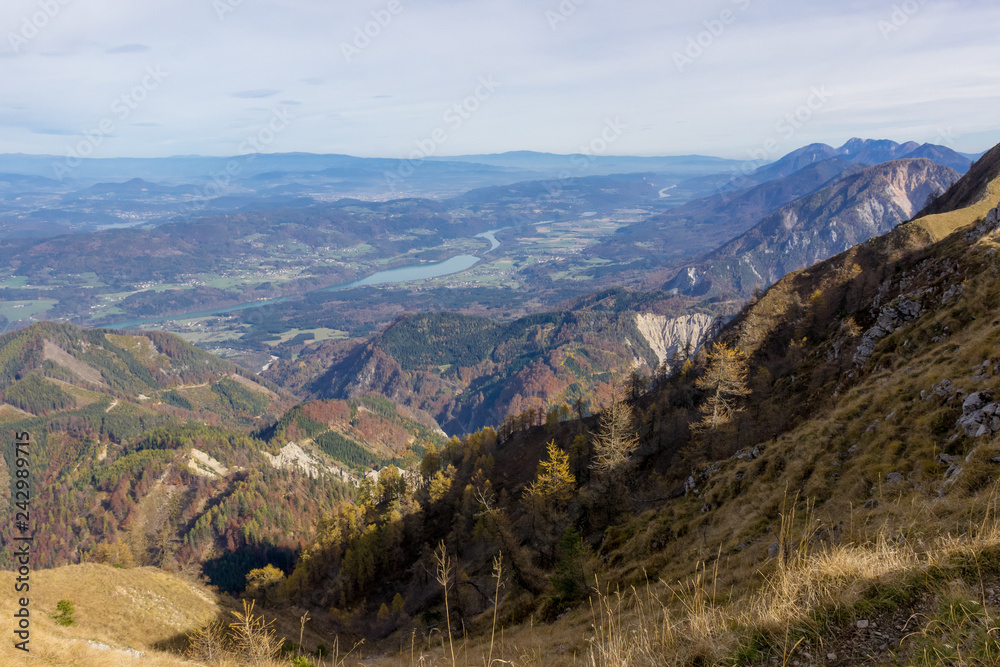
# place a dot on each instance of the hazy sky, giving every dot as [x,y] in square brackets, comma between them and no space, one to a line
[172,77]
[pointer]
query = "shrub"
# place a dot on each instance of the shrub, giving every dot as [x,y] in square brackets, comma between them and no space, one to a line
[64,613]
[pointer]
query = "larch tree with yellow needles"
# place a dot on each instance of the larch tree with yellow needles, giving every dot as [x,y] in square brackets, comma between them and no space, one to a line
[554,483]
[547,498]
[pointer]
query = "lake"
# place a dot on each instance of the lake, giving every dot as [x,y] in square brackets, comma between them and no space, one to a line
[403,274]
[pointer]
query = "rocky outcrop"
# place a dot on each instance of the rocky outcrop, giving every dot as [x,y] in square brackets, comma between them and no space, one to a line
[980,415]
[666,336]
[932,284]
[891,317]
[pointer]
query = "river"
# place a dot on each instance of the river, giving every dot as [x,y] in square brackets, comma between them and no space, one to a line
[402,274]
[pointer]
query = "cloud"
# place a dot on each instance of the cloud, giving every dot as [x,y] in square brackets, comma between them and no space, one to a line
[560,81]
[54,131]
[256,94]
[129,48]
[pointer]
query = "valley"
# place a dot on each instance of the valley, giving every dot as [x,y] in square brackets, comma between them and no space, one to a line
[450,396]
[505,334]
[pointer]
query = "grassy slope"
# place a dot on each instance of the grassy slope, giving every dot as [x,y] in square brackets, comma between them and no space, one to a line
[138,609]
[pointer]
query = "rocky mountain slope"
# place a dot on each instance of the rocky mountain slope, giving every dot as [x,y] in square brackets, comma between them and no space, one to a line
[722,216]
[468,372]
[818,226]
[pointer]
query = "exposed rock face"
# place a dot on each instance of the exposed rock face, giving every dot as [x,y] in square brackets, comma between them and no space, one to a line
[980,416]
[668,335]
[816,227]
[933,283]
[890,318]
[294,456]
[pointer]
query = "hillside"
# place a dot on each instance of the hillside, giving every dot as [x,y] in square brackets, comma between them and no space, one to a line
[468,372]
[152,444]
[850,211]
[720,217]
[846,507]
[49,368]
[816,480]
[132,616]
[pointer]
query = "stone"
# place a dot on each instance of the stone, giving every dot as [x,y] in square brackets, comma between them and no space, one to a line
[832,657]
[894,478]
[773,550]
[976,401]
[871,504]
[862,625]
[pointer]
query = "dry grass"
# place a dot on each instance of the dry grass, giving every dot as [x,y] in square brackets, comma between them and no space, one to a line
[123,610]
[685,624]
[942,224]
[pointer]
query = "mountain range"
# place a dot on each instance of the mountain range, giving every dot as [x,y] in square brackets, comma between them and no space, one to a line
[853,209]
[806,474]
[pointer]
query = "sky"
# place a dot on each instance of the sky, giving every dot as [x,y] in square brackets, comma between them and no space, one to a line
[385,78]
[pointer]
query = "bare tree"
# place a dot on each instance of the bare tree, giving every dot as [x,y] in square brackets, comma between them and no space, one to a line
[725,380]
[616,440]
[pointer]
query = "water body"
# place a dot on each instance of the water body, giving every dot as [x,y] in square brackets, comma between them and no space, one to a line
[403,274]
[492,238]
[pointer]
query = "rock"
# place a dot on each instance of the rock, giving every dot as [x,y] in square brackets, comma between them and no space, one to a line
[894,478]
[947,459]
[862,625]
[832,657]
[995,459]
[943,389]
[773,550]
[979,416]
[976,401]
[871,504]
[690,486]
